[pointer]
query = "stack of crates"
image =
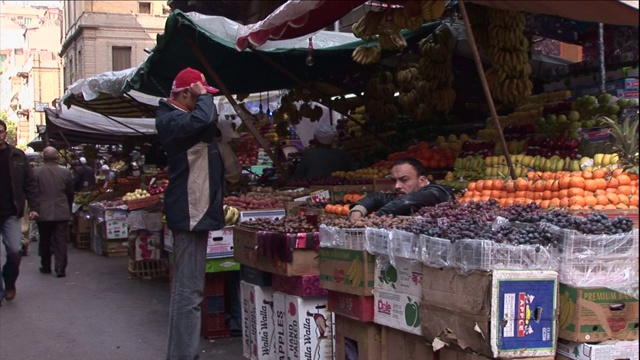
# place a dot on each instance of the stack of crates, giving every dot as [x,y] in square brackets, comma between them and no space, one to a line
[82,231]
[213,307]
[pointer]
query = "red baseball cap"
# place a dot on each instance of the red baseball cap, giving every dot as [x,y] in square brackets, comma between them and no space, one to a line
[188,76]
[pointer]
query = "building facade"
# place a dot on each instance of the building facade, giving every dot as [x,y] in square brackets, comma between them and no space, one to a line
[31,69]
[103,36]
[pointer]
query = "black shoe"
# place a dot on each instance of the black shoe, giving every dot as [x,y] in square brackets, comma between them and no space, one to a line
[24,251]
[45,270]
[60,274]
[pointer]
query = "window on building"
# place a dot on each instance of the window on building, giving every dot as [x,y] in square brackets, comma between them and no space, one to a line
[19,52]
[27,21]
[120,57]
[144,7]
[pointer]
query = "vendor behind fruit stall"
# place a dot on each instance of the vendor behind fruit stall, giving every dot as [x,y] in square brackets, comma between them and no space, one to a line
[323,159]
[412,192]
[106,173]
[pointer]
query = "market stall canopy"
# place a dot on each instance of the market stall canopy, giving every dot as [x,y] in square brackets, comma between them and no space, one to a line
[615,12]
[81,126]
[294,19]
[103,94]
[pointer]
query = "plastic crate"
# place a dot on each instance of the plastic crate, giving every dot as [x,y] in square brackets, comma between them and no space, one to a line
[436,252]
[147,269]
[82,241]
[471,255]
[214,326]
[377,241]
[214,284]
[334,237]
[404,245]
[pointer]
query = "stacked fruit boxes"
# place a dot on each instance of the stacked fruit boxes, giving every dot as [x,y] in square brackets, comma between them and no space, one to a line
[285,312]
[82,230]
[598,296]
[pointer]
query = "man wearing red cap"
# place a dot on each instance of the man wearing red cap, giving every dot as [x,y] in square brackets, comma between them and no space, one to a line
[186,122]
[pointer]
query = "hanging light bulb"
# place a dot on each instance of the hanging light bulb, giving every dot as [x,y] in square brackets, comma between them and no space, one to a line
[310,60]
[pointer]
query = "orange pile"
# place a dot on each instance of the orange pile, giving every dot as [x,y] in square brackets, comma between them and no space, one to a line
[598,190]
[337,209]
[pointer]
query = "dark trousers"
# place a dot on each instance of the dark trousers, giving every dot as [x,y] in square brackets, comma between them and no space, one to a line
[53,239]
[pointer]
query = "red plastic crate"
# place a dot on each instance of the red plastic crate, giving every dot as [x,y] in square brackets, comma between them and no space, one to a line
[214,284]
[214,326]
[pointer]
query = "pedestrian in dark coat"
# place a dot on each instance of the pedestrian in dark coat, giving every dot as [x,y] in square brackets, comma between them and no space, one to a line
[55,189]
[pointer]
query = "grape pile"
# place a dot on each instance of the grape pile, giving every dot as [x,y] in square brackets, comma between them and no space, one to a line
[458,230]
[596,223]
[482,211]
[527,234]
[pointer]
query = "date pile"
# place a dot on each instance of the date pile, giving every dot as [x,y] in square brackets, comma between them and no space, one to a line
[288,224]
[373,221]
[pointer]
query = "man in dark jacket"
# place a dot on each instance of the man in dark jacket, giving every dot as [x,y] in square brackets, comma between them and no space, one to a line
[193,200]
[55,191]
[16,183]
[85,176]
[413,191]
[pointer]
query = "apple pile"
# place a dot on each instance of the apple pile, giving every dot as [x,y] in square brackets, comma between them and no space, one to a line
[247,151]
[548,147]
[158,188]
[473,148]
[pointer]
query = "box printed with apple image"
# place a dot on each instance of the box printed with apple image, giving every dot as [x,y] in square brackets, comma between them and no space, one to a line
[405,277]
[397,310]
[258,321]
[309,328]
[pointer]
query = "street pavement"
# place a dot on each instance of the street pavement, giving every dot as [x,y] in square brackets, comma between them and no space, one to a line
[94,313]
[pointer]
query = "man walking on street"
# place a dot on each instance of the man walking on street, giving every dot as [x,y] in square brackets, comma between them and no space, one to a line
[17,183]
[55,191]
[186,122]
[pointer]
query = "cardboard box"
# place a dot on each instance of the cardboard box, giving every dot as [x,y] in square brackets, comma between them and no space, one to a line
[257,321]
[255,276]
[305,285]
[120,246]
[355,307]
[384,185]
[310,328]
[246,247]
[83,223]
[500,314]
[220,243]
[221,265]
[399,345]
[596,314]
[115,229]
[292,208]
[397,310]
[282,338]
[355,337]
[606,350]
[145,245]
[453,354]
[406,277]
[261,214]
[339,191]
[347,271]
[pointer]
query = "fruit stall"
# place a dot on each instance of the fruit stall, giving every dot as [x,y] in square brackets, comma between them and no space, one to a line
[536,258]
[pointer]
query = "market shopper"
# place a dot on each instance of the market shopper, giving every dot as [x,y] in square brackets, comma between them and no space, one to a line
[193,200]
[55,191]
[323,159]
[16,183]
[412,192]
[107,174]
[85,176]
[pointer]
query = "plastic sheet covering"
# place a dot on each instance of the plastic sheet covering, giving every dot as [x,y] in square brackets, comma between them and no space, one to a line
[579,245]
[97,211]
[609,261]
[436,252]
[469,255]
[339,238]
[404,245]
[377,241]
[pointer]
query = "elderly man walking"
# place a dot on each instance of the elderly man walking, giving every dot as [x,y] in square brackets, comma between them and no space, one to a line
[55,189]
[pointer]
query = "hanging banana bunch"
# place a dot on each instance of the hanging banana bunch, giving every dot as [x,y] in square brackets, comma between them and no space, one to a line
[432,9]
[366,55]
[378,97]
[436,72]
[508,52]
[368,26]
[406,80]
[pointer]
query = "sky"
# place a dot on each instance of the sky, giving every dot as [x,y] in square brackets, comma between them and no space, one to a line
[35,3]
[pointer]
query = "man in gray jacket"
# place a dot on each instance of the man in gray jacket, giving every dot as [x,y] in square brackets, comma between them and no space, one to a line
[16,184]
[55,189]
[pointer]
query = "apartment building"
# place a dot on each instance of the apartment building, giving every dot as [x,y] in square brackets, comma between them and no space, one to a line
[31,69]
[101,36]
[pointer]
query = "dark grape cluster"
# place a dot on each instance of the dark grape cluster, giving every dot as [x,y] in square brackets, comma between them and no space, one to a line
[478,210]
[596,223]
[458,230]
[520,212]
[527,234]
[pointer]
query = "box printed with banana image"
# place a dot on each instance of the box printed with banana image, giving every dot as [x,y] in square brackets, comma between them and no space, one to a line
[348,271]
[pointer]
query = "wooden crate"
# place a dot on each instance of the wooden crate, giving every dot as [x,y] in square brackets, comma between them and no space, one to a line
[147,269]
[143,203]
[82,241]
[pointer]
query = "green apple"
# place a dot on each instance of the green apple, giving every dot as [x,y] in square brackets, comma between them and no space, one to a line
[573,116]
[591,100]
[622,103]
[562,119]
[613,109]
[631,102]
[540,121]
[575,125]
[613,116]
[573,134]
[551,119]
